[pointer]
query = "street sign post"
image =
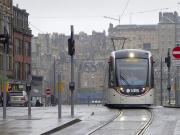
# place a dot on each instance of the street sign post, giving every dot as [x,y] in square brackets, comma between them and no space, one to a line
[176,62]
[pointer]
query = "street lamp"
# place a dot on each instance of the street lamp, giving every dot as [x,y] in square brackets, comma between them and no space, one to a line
[54,80]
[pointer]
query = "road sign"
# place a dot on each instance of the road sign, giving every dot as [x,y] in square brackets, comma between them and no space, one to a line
[176,52]
[48,92]
[176,62]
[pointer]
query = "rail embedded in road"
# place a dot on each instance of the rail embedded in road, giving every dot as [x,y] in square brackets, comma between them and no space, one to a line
[111,120]
[128,121]
[146,125]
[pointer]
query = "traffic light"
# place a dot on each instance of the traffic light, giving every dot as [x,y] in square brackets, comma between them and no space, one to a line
[4,39]
[168,59]
[71,46]
[72,85]
[28,88]
[71,43]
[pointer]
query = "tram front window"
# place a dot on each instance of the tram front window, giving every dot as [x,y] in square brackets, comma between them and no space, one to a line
[132,71]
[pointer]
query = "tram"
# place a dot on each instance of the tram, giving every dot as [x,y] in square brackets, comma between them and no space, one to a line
[130,78]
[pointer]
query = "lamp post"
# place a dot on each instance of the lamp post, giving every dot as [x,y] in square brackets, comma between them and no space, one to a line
[54,81]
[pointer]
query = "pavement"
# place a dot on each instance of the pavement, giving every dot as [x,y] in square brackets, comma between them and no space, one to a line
[44,120]
[166,121]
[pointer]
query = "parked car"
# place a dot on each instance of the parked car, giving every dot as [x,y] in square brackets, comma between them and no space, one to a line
[18,98]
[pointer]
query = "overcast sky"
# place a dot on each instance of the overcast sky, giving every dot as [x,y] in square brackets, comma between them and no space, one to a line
[47,16]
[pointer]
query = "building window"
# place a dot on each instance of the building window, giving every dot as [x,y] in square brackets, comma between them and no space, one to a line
[170,42]
[147,46]
[139,45]
[27,49]
[27,71]
[17,70]
[18,46]
[162,42]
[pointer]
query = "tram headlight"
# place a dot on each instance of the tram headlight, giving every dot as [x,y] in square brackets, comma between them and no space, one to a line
[143,89]
[131,55]
[121,89]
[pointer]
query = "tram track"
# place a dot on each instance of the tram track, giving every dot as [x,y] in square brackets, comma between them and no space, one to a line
[146,125]
[111,120]
[125,119]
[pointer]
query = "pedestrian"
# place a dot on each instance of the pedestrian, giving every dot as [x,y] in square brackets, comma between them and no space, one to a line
[38,103]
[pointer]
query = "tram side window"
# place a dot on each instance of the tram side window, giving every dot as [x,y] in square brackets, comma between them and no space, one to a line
[111,76]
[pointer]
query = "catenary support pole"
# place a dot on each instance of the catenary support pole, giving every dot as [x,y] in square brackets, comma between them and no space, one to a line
[161,84]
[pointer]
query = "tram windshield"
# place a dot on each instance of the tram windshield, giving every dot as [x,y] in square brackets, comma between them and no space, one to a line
[132,71]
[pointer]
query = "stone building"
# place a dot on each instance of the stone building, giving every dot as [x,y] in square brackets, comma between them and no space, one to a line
[22,44]
[49,50]
[6,16]
[138,36]
[168,31]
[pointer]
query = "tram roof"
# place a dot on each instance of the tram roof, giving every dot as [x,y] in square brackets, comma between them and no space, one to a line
[139,53]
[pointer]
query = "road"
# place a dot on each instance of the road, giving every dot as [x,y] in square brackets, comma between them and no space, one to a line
[129,121]
[166,121]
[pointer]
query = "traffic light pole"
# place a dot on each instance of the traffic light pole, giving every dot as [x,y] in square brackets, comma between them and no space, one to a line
[71,51]
[169,85]
[4,38]
[5,79]
[168,62]
[72,91]
[29,104]
[28,90]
